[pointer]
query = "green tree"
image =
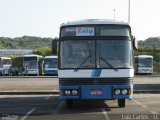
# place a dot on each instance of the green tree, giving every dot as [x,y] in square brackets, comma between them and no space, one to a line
[44,51]
[25,42]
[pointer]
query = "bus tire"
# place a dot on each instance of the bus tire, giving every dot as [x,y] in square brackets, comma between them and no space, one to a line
[69,103]
[121,103]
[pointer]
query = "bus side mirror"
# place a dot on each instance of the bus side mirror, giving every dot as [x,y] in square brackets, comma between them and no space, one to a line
[135,43]
[55,43]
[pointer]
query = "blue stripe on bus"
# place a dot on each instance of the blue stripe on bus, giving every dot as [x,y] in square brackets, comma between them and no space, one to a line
[96,73]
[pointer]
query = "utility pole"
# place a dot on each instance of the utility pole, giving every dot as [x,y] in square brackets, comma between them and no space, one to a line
[128,11]
[114,11]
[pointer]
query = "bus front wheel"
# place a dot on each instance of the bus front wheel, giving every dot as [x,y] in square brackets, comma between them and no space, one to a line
[121,102]
[69,103]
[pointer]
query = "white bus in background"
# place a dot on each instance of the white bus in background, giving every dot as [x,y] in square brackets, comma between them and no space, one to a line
[144,64]
[5,64]
[51,65]
[32,64]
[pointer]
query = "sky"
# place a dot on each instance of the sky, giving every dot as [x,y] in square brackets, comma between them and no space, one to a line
[42,18]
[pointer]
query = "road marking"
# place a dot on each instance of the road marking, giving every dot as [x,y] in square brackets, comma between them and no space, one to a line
[59,107]
[15,90]
[145,107]
[2,96]
[56,89]
[28,113]
[48,97]
[105,114]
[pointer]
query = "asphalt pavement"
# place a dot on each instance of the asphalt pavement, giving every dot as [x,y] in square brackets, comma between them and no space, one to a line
[37,98]
[49,107]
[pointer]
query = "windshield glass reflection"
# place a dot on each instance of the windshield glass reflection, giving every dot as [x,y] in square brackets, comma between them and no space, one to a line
[74,53]
[51,63]
[145,62]
[116,52]
[96,54]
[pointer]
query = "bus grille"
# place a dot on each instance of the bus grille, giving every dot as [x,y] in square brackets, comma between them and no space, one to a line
[95,81]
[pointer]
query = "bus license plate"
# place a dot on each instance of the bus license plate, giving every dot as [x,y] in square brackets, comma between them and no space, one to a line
[96,92]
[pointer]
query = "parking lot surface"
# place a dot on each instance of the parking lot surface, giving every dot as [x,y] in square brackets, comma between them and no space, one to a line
[49,107]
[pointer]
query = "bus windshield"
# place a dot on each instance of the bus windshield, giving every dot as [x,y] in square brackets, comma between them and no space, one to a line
[30,62]
[51,63]
[74,53]
[96,54]
[145,62]
[6,61]
[116,52]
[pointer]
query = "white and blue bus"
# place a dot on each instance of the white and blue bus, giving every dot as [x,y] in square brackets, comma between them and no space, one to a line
[32,64]
[144,64]
[50,65]
[5,64]
[96,61]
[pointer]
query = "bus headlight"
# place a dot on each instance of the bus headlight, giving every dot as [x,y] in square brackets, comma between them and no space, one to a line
[74,92]
[70,92]
[124,91]
[67,92]
[117,92]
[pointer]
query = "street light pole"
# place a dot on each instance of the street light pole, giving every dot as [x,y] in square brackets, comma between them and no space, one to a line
[114,14]
[128,11]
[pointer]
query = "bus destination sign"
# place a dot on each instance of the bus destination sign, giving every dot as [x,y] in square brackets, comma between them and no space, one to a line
[85,31]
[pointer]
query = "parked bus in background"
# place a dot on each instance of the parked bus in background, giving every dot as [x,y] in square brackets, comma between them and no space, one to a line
[144,64]
[5,64]
[50,65]
[32,64]
[96,61]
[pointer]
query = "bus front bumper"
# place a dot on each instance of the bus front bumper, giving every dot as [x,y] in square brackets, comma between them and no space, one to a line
[32,71]
[50,72]
[96,92]
[1,72]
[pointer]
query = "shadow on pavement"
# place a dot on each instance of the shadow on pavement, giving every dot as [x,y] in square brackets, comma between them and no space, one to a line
[20,106]
[147,87]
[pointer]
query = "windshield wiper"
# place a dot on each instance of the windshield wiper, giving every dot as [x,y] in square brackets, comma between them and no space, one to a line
[84,61]
[110,65]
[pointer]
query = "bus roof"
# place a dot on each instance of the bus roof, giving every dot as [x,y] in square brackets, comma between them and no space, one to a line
[145,56]
[5,58]
[32,55]
[94,21]
[52,56]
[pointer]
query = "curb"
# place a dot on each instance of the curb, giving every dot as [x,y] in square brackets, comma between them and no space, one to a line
[146,91]
[136,76]
[3,77]
[29,92]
